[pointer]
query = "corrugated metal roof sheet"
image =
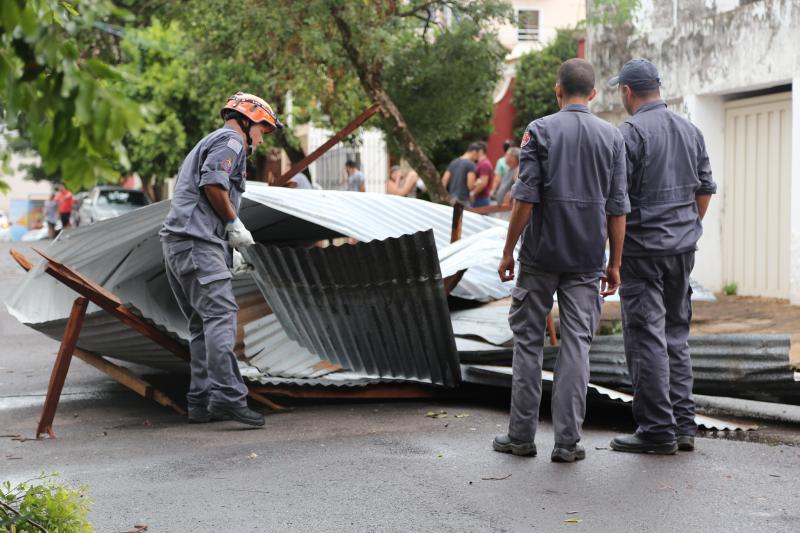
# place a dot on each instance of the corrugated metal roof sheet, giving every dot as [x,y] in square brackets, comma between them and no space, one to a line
[268,348]
[742,366]
[367,217]
[377,309]
[500,376]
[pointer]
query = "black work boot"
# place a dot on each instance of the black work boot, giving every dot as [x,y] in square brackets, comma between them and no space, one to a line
[568,454]
[636,444]
[242,414]
[202,416]
[686,443]
[505,444]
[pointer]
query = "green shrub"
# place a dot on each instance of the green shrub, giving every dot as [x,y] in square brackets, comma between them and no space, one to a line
[730,289]
[43,502]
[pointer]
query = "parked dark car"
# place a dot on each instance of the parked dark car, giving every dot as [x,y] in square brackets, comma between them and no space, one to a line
[106,202]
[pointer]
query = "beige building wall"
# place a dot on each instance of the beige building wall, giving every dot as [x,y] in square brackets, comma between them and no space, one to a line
[21,188]
[553,15]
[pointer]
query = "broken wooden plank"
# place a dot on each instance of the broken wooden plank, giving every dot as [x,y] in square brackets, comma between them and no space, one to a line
[370,392]
[456,225]
[128,379]
[59,374]
[21,260]
[330,143]
[110,303]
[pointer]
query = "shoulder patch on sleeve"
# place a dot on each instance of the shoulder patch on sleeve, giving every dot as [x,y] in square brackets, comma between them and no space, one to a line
[526,138]
[234,145]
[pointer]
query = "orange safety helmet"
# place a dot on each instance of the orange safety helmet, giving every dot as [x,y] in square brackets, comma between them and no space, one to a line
[254,108]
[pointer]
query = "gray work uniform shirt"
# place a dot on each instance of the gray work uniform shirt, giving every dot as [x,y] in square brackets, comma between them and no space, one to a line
[572,168]
[219,159]
[667,166]
[457,186]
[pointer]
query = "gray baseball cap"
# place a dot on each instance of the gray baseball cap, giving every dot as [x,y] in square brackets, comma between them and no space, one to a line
[638,74]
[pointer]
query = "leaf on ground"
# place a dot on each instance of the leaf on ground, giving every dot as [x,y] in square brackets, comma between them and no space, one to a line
[434,414]
[462,415]
[252,456]
[573,520]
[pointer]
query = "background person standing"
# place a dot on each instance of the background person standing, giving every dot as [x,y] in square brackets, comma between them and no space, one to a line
[569,197]
[51,215]
[511,159]
[65,202]
[355,178]
[501,172]
[670,187]
[481,191]
[402,183]
[460,176]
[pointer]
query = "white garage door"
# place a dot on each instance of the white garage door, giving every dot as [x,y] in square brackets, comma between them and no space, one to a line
[755,227]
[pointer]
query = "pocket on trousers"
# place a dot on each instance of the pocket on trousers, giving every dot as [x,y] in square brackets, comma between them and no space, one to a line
[180,258]
[516,314]
[211,263]
[635,308]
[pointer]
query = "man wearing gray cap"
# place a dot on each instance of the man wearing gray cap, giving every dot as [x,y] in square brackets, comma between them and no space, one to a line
[670,187]
[568,199]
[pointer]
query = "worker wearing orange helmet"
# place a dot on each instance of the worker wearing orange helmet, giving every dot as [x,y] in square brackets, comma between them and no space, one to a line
[200,238]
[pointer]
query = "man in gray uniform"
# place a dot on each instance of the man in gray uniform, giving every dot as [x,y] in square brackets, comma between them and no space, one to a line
[569,197]
[670,186]
[199,240]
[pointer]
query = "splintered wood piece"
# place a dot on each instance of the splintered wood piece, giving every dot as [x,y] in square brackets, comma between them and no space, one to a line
[330,143]
[260,398]
[21,260]
[366,393]
[128,379]
[61,367]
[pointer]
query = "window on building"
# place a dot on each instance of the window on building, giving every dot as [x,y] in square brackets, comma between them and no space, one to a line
[528,25]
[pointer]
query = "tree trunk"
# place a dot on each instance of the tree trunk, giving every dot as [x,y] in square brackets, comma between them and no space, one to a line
[369,76]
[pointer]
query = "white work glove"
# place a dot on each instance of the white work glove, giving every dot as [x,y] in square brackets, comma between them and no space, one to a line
[240,266]
[238,236]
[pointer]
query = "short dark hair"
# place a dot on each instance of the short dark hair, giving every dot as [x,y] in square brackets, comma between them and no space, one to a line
[506,145]
[228,114]
[350,163]
[648,90]
[576,77]
[475,147]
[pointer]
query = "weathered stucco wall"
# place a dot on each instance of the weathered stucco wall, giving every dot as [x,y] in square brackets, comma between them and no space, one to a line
[701,48]
[707,51]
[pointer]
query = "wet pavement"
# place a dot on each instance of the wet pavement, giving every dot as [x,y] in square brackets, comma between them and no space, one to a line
[366,466]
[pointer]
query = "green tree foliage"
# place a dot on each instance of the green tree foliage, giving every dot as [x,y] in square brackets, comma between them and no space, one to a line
[444,86]
[534,86]
[336,57]
[159,63]
[43,504]
[57,96]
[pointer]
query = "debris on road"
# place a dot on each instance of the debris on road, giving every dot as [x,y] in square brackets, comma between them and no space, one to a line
[370,320]
[495,478]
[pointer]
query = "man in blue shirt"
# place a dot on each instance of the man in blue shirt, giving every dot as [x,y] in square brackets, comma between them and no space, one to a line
[670,187]
[199,240]
[569,197]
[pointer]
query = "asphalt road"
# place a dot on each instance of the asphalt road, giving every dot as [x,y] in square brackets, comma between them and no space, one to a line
[339,466]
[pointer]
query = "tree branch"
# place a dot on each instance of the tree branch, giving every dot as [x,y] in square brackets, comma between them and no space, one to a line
[31,522]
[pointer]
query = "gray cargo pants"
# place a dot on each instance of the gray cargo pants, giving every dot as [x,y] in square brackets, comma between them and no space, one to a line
[656,313]
[579,313]
[201,282]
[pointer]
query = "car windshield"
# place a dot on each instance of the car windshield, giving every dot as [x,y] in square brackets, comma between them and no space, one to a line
[121,199]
